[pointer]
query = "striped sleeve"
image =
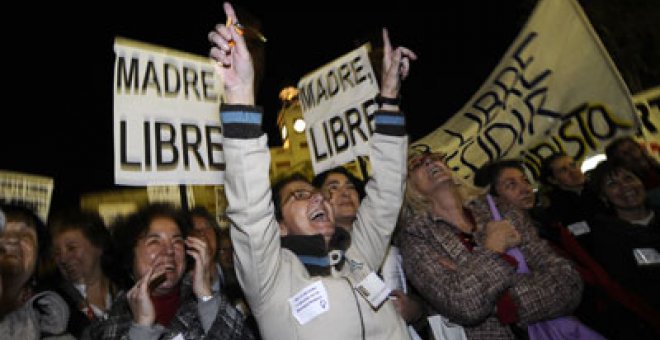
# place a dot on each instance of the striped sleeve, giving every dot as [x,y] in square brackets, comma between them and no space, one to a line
[241,121]
[390,123]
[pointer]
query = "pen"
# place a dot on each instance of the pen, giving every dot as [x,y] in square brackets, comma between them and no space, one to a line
[229,25]
[240,29]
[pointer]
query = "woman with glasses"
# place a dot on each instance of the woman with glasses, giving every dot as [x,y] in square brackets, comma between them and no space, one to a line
[455,254]
[303,277]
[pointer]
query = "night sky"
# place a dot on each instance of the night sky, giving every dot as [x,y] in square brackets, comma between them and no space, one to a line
[57,120]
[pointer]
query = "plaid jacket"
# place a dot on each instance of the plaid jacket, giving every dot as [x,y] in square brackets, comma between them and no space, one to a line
[228,324]
[467,293]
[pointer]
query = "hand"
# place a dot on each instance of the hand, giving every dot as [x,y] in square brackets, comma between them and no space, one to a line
[201,276]
[139,297]
[409,309]
[233,60]
[501,235]
[396,66]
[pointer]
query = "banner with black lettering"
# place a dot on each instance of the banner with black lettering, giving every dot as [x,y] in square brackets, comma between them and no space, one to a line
[648,108]
[337,101]
[166,122]
[555,89]
[31,191]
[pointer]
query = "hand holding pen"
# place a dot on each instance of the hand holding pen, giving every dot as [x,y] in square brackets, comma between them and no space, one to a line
[233,59]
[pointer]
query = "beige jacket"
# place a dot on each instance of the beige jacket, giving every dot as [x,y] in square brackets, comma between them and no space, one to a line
[271,275]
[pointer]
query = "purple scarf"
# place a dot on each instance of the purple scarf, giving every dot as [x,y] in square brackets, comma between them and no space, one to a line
[563,327]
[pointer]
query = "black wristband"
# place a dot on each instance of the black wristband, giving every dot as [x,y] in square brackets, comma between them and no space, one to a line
[389,101]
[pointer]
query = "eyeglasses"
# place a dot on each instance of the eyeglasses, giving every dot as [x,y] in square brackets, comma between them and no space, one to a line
[416,162]
[300,195]
[420,153]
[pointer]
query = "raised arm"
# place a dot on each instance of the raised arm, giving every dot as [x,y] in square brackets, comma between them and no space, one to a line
[376,217]
[254,231]
[396,67]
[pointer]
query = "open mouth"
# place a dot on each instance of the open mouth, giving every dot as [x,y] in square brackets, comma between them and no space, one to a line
[9,248]
[9,256]
[10,251]
[318,216]
[434,169]
[165,268]
[69,270]
[157,281]
[630,195]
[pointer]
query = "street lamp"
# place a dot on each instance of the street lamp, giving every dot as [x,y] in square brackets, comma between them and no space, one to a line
[299,125]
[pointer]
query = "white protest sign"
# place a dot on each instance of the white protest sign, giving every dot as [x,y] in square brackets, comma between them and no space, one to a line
[32,191]
[338,104]
[166,117]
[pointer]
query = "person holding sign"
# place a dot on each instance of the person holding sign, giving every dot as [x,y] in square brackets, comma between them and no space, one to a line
[303,277]
[455,254]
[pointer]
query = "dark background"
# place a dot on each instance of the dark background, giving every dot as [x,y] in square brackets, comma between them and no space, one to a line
[57,120]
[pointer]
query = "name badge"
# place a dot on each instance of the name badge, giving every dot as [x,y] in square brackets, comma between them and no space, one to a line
[310,302]
[646,256]
[579,228]
[374,290]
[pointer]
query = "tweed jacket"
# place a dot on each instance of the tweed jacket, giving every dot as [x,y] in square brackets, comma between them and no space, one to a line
[465,285]
[227,324]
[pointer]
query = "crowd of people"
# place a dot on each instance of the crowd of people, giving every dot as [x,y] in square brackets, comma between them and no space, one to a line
[336,257]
